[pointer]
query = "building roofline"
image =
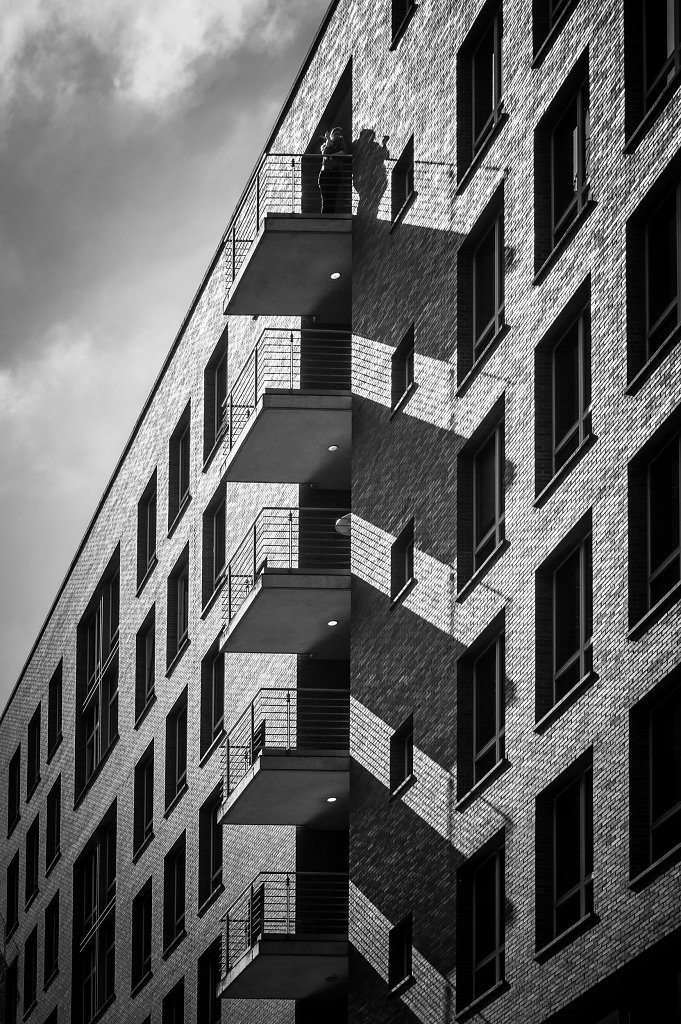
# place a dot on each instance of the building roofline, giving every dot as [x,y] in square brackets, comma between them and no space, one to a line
[307,60]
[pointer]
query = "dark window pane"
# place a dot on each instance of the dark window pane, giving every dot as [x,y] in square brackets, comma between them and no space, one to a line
[662,273]
[566,394]
[485,910]
[486,700]
[565,163]
[485,489]
[567,609]
[568,839]
[484,271]
[483,84]
[664,507]
[658,16]
[666,756]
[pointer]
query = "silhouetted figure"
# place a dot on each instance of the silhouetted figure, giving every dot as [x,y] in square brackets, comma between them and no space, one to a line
[335,169]
[369,173]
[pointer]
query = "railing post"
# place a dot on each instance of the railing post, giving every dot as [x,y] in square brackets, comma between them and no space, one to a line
[229,787]
[290,540]
[252,731]
[291,364]
[229,594]
[231,419]
[288,719]
[255,549]
[293,184]
[250,917]
[257,200]
[288,904]
[233,254]
[255,374]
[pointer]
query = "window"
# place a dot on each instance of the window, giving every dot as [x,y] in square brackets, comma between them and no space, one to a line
[54,712]
[97,677]
[402,182]
[178,607]
[399,954]
[145,664]
[33,754]
[655,776]
[480,270]
[30,972]
[179,468]
[51,950]
[214,540]
[174,895]
[146,531]
[210,847]
[547,18]
[173,1005]
[12,892]
[176,750]
[32,853]
[480,501]
[14,791]
[402,755]
[12,992]
[402,369]
[208,1003]
[143,825]
[141,937]
[53,831]
[652,36]
[565,852]
[402,11]
[655,524]
[215,397]
[212,699]
[480,707]
[402,561]
[480,923]
[562,164]
[94,923]
[479,86]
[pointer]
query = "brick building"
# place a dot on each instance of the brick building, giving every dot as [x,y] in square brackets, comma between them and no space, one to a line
[271,759]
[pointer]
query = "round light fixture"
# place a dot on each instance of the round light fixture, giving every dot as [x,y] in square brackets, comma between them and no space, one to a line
[333,447]
[335,275]
[331,799]
[332,622]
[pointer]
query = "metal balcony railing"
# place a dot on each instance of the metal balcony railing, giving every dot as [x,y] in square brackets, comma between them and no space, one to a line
[286,719]
[279,360]
[288,539]
[286,183]
[276,903]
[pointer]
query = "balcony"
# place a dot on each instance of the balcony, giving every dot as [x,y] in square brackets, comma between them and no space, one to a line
[286,937]
[281,250]
[286,760]
[288,417]
[287,585]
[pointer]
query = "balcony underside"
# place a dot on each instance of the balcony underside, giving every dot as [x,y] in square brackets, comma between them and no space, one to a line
[288,613]
[288,967]
[288,269]
[287,438]
[291,788]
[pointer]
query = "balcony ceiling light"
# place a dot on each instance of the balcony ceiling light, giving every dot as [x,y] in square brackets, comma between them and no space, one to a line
[333,447]
[335,275]
[332,622]
[331,799]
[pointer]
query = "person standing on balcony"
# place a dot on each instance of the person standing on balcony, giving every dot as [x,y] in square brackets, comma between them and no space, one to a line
[332,174]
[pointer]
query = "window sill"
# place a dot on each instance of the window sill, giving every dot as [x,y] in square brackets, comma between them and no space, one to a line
[217,742]
[175,801]
[29,1009]
[474,792]
[403,399]
[149,570]
[139,985]
[402,593]
[566,937]
[50,979]
[403,787]
[649,118]
[565,701]
[402,212]
[50,866]
[217,590]
[145,710]
[208,903]
[55,746]
[549,40]
[9,932]
[474,370]
[177,657]
[34,786]
[545,493]
[100,1013]
[214,449]
[473,580]
[184,504]
[655,613]
[31,899]
[136,854]
[170,949]
[13,825]
[558,249]
[402,28]
[469,172]
[402,986]
[658,357]
[487,997]
[655,869]
[95,775]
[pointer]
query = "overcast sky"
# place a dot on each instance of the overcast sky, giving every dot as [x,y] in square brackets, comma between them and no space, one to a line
[127,131]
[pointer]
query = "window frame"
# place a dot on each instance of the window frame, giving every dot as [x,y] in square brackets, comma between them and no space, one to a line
[402,12]
[51,947]
[584,652]
[179,469]
[145,665]
[143,802]
[176,752]
[12,896]
[402,559]
[208,974]
[142,936]
[400,957]
[482,341]
[174,895]
[212,700]
[497,530]
[33,759]
[178,610]
[402,756]
[495,26]
[14,791]
[32,877]
[498,955]
[211,849]
[55,709]
[562,224]
[650,352]
[402,381]
[31,972]
[402,183]
[672,65]
[498,741]
[53,826]
[94,925]
[147,531]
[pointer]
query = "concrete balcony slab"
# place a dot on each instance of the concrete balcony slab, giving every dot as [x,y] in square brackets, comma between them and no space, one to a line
[288,967]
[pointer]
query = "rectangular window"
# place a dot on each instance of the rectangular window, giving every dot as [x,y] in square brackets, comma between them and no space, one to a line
[399,954]
[178,607]
[212,699]
[51,950]
[488,287]
[12,992]
[210,847]
[663,271]
[141,937]
[402,755]
[481,923]
[30,972]
[402,11]
[488,496]
[145,664]
[402,561]
[32,855]
[208,1003]
[547,17]
[53,831]
[173,1005]
[479,85]
[14,791]
[143,825]
[488,709]
[176,750]
[94,877]
[146,531]
[12,896]
[215,397]
[214,546]
[402,369]
[402,182]
[179,468]
[174,894]
[661,45]
[54,712]
[33,754]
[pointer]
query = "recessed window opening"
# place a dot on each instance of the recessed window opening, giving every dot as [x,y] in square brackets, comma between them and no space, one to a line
[402,561]
[486,76]
[570,163]
[664,517]
[488,287]
[572,619]
[402,754]
[661,47]
[488,709]
[400,953]
[573,853]
[488,923]
[402,368]
[488,496]
[663,271]
[402,181]
[571,385]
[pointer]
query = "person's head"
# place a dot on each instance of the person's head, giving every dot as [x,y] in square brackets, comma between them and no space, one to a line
[337,133]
